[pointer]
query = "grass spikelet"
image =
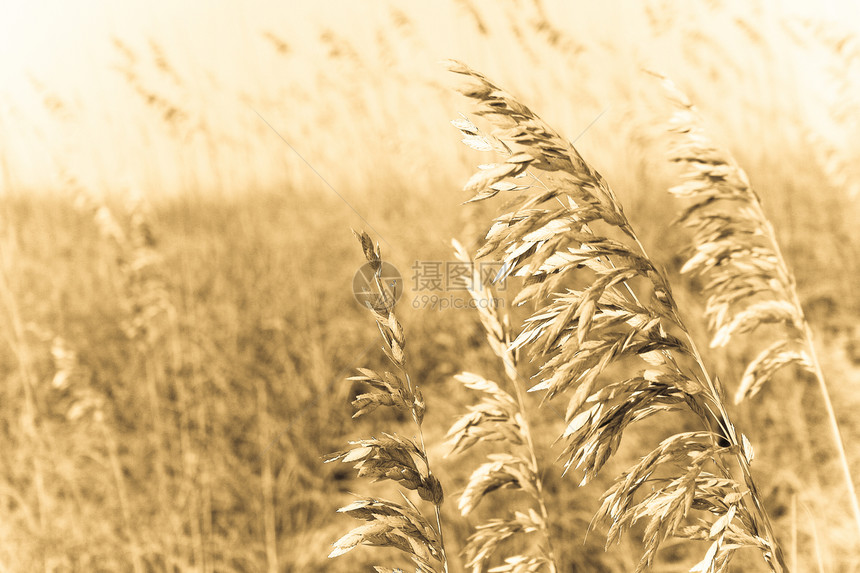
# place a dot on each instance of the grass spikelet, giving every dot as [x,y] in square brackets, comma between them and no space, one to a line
[392,457]
[747,280]
[601,302]
[500,416]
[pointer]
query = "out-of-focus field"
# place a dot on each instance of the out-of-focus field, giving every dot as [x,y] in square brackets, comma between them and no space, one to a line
[176,263]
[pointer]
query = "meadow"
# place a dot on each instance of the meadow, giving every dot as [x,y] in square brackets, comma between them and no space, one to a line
[177,260]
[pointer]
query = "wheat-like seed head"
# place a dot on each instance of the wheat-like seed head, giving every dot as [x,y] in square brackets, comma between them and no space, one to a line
[392,457]
[500,417]
[748,282]
[547,237]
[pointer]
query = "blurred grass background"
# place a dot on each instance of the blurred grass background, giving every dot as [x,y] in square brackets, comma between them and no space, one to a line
[175,282]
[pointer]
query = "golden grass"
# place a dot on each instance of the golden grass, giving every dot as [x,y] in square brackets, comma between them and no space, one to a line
[199,448]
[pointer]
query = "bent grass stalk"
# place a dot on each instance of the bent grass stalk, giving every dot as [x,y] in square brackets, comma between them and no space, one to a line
[548,235]
[748,282]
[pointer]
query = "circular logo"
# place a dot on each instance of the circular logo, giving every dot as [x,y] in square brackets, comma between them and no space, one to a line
[367,282]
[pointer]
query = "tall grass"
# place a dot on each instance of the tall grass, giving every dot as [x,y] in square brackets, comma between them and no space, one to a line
[545,236]
[168,410]
[748,282]
[604,311]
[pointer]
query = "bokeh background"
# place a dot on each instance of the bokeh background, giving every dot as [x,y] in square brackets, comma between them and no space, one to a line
[178,182]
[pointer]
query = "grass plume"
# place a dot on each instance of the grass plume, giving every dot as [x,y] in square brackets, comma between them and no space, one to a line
[748,283]
[564,229]
[500,417]
[392,457]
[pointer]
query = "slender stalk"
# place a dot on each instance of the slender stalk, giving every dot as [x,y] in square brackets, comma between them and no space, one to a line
[436,506]
[388,299]
[834,424]
[510,360]
[499,335]
[835,431]
[819,559]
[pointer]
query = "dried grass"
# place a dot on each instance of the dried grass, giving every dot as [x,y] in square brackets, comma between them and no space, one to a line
[701,483]
[748,283]
[501,417]
[392,457]
[609,342]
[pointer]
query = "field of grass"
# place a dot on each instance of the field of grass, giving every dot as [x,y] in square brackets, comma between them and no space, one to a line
[177,319]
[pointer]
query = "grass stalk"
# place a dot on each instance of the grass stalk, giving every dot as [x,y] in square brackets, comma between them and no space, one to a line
[547,236]
[736,249]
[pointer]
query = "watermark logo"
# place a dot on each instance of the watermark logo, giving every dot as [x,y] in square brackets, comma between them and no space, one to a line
[441,302]
[437,285]
[378,290]
[451,276]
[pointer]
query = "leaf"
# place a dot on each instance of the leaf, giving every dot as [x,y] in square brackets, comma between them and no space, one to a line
[707,564]
[747,449]
[653,357]
[481,181]
[580,420]
[507,186]
[723,522]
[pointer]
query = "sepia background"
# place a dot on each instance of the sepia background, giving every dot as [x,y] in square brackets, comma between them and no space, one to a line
[179,184]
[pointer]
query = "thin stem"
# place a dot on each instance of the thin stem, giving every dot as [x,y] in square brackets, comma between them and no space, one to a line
[834,424]
[436,506]
[500,342]
[816,364]
[510,361]
[538,482]
[761,520]
[388,299]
